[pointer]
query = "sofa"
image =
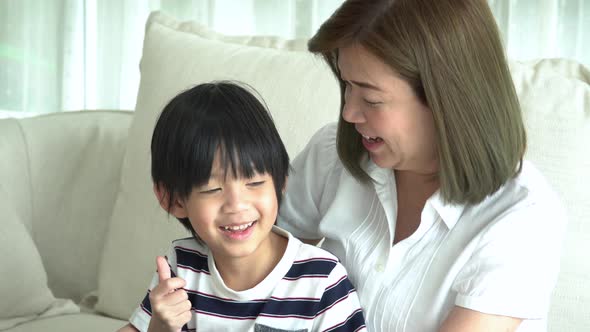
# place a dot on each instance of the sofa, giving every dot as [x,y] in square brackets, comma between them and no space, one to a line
[80,227]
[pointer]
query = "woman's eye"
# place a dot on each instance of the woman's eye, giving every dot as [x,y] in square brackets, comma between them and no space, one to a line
[210,191]
[372,103]
[255,183]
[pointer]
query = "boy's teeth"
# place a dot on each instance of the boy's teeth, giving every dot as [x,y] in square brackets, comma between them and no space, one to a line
[237,228]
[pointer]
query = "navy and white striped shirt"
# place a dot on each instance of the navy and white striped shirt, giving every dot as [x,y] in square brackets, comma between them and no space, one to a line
[308,290]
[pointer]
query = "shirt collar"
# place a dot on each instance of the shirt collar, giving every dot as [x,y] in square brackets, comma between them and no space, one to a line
[449,213]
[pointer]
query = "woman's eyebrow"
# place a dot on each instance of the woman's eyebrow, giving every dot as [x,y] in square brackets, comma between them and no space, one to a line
[367,85]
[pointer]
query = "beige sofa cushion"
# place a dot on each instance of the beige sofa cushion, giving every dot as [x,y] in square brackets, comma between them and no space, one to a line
[24,295]
[298,89]
[72,323]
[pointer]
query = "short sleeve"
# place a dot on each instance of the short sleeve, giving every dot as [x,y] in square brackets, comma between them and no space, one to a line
[300,211]
[515,265]
[141,316]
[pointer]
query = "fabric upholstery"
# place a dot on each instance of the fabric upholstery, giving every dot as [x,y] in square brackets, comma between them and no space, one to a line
[14,171]
[555,98]
[24,292]
[74,162]
[72,323]
[57,191]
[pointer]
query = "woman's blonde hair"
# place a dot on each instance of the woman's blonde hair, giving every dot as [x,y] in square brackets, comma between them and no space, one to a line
[451,53]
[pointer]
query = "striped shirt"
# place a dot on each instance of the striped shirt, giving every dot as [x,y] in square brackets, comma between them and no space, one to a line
[308,290]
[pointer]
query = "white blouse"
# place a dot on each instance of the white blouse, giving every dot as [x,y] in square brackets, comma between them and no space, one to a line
[499,257]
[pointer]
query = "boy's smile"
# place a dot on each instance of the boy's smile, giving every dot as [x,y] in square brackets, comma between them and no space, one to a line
[238,232]
[234,216]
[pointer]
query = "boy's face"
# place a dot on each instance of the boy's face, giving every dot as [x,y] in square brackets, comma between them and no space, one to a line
[233,216]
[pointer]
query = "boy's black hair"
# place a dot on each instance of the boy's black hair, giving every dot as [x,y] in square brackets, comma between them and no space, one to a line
[196,123]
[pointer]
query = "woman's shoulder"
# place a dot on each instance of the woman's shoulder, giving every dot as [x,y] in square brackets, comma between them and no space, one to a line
[320,157]
[323,142]
[534,188]
[328,131]
[528,187]
[524,204]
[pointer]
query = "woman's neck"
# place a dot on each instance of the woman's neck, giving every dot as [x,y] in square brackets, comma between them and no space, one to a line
[413,190]
[244,273]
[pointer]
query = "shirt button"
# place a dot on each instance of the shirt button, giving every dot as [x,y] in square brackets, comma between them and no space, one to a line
[379,267]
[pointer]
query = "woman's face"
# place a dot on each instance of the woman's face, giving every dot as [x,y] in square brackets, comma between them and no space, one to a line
[397,129]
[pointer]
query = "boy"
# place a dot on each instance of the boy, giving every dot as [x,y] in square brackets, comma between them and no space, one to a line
[220,167]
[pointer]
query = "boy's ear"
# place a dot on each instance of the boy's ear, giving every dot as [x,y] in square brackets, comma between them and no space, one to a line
[285,185]
[175,208]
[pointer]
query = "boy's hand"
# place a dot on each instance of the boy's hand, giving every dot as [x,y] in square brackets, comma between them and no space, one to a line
[171,308]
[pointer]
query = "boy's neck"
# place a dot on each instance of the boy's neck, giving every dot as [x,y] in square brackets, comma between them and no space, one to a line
[247,272]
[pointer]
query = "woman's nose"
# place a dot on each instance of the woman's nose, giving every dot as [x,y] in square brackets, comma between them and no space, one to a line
[352,113]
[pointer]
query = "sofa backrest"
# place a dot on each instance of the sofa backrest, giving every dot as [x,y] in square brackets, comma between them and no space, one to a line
[555,98]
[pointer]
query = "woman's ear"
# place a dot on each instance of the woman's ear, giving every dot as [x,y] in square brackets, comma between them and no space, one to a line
[175,206]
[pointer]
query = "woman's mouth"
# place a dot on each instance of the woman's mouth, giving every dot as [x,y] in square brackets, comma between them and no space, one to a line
[372,143]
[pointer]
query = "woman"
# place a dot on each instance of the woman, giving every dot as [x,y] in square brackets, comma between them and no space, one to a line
[421,189]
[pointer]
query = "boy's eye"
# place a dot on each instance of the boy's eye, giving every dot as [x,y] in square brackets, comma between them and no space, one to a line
[210,191]
[255,183]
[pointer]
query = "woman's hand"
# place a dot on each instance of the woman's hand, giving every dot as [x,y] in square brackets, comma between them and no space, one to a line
[466,320]
[171,308]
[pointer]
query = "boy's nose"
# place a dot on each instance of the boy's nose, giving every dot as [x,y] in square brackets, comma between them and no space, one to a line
[235,201]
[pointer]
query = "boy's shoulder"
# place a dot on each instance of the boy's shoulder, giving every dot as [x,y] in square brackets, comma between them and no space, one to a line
[314,257]
[316,252]
[190,244]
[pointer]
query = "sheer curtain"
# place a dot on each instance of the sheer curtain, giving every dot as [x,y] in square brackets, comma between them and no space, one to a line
[58,55]
[534,29]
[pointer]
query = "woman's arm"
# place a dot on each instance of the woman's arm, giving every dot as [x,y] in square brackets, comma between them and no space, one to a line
[466,320]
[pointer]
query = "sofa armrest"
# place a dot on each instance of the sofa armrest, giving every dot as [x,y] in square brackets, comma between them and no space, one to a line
[74,163]
[14,176]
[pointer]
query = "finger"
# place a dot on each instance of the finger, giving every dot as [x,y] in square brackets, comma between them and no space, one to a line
[185,317]
[173,316]
[183,307]
[163,268]
[170,312]
[185,312]
[176,297]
